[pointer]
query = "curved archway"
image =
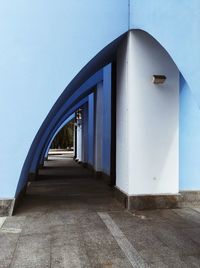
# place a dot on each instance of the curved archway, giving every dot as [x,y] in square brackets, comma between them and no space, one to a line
[49,143]
[67,103]
[59,108]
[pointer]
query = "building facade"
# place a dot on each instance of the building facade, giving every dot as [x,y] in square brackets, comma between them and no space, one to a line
[131,70]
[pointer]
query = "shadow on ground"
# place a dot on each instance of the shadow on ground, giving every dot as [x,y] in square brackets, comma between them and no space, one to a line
[69,219]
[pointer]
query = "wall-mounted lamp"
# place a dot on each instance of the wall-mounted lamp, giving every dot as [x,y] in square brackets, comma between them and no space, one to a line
[79,114]
[78,117]
[159,79]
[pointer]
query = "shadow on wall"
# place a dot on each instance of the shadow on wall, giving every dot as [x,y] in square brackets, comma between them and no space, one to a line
[189,139]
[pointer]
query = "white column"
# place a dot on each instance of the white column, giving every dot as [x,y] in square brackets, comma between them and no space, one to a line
[85,134]
[147,118]
[74,140]
[79,140]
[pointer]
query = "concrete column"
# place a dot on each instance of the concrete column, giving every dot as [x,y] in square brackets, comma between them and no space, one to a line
[98,127]
[74,141]
[85,133]
[79,139]
[106,132]
[147,152]
[91,129]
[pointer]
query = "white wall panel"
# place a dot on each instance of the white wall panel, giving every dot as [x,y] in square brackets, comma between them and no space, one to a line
[147,118]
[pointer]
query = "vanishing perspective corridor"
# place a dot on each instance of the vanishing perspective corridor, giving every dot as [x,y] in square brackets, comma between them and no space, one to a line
[69,219]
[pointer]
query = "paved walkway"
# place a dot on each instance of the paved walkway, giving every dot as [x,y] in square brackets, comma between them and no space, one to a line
[74,221]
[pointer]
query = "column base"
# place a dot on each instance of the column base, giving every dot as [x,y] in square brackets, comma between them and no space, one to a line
[144,202]
[153,202]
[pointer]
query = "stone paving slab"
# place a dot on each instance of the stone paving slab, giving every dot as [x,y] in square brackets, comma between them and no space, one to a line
[14,222]
[81,239]
[8,244]
[32,251]
[58,225]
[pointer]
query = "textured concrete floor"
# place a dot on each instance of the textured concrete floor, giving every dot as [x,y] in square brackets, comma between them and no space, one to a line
[73,221]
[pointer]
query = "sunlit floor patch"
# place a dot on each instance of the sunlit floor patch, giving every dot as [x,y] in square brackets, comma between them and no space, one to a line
[10,230]
[2,220]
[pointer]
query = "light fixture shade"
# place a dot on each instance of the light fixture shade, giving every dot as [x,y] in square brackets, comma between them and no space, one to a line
[159,79]
[79,114]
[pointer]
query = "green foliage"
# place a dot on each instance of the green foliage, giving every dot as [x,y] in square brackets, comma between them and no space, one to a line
[64,138]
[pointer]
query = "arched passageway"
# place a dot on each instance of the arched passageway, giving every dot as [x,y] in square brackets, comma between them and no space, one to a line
[66,180]
[126,129]
[76,217]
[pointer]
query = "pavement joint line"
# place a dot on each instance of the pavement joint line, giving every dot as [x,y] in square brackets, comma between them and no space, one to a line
[2,220]
[130,252]
[197,210]
[10,230]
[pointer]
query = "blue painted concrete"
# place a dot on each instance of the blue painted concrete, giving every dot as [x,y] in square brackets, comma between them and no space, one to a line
[189,139]
[62,121]
[65,106]
[107,86]
[71,103]
[175,24]
[43,46]
[91,129]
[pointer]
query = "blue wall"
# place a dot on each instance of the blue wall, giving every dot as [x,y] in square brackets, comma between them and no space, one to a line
[175,24]
[189,139]
[44,44]
[62,109]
